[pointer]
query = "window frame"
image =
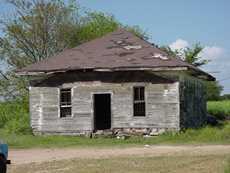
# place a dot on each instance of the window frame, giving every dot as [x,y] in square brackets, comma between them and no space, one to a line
[139,100]
[65,105]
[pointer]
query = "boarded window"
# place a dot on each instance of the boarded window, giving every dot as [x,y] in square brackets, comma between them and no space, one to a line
[65,103]
[139,101]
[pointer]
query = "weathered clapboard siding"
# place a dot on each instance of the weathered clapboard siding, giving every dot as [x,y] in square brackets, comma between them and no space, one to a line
[162,106]
[44,110]
[192,99]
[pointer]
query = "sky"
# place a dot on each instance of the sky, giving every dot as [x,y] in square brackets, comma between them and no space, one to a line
[179,24]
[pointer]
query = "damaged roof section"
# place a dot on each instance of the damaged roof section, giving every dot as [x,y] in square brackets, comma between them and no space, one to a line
[119,50]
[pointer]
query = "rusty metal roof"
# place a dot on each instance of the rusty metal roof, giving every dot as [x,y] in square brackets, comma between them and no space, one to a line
[119,49]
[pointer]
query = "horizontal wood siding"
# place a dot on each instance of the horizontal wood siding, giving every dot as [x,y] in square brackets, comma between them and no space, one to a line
[162,106]
[193,101]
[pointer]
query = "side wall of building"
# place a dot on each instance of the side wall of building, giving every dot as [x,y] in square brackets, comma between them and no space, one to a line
[162,107]
[192,102]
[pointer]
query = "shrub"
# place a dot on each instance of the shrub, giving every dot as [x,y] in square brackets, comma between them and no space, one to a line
[18,126]
[220,109]
[14,117]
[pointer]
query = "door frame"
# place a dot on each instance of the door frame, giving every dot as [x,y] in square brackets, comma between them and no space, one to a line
[92,107]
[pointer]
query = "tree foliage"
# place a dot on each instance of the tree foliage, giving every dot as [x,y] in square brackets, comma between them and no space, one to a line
[41,28]
[192,55]
[214,90]
[170,52]
[225,97]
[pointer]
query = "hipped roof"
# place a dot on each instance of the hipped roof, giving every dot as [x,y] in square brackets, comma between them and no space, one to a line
[119,50]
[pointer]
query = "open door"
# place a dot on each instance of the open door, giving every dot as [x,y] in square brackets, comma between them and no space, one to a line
[102,111]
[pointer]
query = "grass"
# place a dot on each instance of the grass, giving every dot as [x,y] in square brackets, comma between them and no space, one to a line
[220,109]
[206,135]
[15,130]
[227,166]
[163,164]
[14,117]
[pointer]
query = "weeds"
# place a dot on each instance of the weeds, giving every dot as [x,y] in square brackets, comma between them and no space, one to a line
[14,117]
[16,131]
[220,109]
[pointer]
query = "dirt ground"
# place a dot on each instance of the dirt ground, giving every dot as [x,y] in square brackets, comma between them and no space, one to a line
[26,156]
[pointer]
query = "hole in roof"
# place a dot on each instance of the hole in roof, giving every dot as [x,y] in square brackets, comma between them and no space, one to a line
[118,33]
[125,53]
[135,63]
[112,47]
[146,57]
[109,54]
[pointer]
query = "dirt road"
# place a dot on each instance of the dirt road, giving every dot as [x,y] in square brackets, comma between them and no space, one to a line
[24,156]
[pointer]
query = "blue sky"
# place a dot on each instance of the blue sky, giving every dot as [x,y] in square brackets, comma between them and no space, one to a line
[178,23]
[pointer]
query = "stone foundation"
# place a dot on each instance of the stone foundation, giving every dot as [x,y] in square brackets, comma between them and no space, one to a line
[138,131]
[116,132]
[124,132]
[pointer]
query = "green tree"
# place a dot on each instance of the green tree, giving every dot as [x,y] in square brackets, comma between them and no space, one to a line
[214,90]
[192,55]
[42,28]
[225,97]
[170,52]
[188,54]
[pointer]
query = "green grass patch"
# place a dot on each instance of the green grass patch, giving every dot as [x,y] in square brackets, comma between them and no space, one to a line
[206,135]
[14,117]
[220,109]
[227,166]
[16,131]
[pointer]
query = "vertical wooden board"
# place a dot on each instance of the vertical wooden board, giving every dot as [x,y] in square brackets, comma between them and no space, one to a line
[193,102]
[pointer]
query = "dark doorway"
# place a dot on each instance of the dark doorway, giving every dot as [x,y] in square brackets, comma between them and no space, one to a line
[102,111]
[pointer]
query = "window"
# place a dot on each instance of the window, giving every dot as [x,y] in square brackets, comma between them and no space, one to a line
[65,103]
[139,101]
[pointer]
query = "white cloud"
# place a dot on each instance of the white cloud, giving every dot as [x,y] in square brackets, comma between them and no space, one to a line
[209,52]
[212,53]
[179,44]
[219,64]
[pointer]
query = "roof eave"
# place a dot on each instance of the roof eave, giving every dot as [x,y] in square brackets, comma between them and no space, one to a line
[47,72]
[201,74]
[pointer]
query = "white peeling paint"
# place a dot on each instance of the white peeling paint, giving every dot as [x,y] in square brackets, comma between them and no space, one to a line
[166,92]
[40,111]
[129,47]
[158,55]
[119,42]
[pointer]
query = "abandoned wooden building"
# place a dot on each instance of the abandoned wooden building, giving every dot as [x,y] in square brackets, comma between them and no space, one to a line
[118,82]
